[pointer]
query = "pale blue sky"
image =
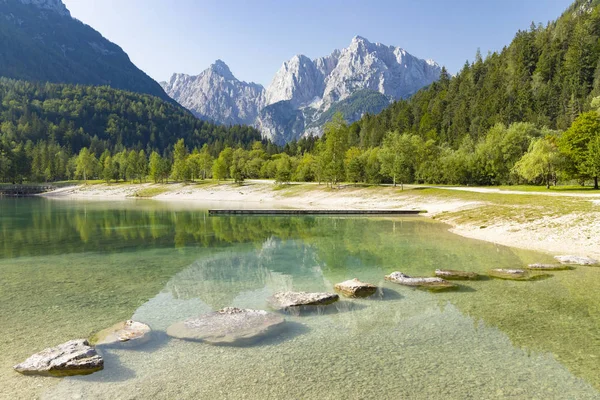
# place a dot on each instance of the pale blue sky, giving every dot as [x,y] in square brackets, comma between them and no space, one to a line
[255,37]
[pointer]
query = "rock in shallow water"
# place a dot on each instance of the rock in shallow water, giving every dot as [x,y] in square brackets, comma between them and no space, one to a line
[284,300]
[548,267]
[131,332]
[355,288]
[75,357]
[576,260]
[451,274]
[513,274]
[229,326]
[420,282]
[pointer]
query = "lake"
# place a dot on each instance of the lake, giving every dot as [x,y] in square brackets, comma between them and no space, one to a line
[69,269]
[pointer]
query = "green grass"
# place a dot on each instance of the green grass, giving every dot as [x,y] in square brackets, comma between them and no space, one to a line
[520,208]
[152,191]
[560,188]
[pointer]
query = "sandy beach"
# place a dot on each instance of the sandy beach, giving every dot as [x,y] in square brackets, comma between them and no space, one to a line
[575,232]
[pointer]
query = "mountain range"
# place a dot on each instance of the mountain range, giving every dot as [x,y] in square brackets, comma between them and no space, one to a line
[304,93]
[41,42]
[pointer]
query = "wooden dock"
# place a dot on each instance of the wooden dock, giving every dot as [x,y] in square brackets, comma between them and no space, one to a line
[24,190]
[314,212]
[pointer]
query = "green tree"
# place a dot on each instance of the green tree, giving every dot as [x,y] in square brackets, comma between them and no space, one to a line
[305,172]
[397,158]
[154,166]
[540,163]
[575,143]
[237,170]
[593,161]
[205,162]
[5,163]
[354,165]
[372,165]
[86,164]
[109,170]
[284,169]
[132,171]
[336,139]
[256,158]
[180,170]
[222,165]
[194,165]
[142,166]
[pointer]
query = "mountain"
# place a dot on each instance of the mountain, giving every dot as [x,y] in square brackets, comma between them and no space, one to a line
[40,41]
[361,66]
[298,99]
[280,121]
[216,95]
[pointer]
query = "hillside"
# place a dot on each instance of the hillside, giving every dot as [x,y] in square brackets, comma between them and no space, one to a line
[83,116]
[41,42]
[546,76]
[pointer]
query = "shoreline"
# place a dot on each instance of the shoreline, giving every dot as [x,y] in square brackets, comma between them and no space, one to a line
[570,233]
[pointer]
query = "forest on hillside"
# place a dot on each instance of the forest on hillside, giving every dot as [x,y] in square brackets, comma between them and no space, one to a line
[526,114]
[53,122]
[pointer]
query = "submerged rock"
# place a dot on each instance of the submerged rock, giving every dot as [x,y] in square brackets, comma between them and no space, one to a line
[420,282]
[451,274]
[576,260]
[355,288]
[548,267]
[130,332]
[513,274]
[284,300]
[75,357]
[229,326]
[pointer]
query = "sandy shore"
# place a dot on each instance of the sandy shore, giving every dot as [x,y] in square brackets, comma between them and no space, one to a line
[572,233]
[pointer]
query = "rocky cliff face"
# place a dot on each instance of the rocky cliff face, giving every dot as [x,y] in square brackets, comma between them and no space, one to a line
[361,66]
[216,95]
[304,89]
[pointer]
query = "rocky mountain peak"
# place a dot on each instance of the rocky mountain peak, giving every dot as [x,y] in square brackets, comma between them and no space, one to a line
[56,6]
[219,67]
[359,42]
[217,95]
[303,91]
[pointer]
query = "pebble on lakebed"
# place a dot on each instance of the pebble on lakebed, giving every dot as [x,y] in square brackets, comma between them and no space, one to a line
[75,357]
[451,274]
[131,333]
[286,300]
[229,326]
[429,283]
[355,288]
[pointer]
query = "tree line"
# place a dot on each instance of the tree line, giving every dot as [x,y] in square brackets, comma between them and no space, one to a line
[42,125]
[518,153]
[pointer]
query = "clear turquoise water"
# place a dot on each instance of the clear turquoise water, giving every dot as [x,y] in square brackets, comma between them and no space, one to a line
[69,269]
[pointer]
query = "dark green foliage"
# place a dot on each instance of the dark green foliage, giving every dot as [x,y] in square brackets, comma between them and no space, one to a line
[546,76]
[102,117]
[59,120]
[43,46]
[352,108]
